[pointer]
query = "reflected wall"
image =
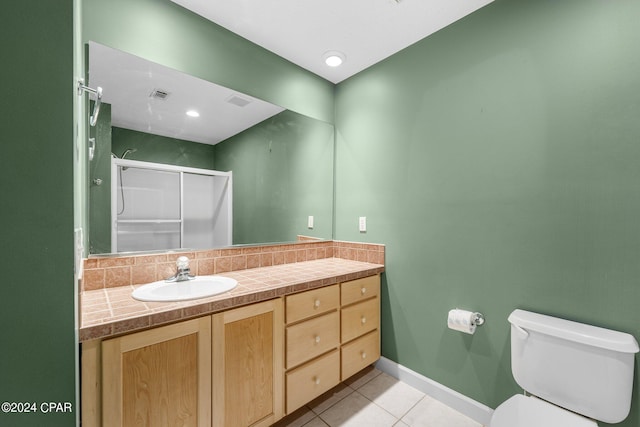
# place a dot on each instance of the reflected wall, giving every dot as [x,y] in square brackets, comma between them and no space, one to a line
[282,171]
[282,174]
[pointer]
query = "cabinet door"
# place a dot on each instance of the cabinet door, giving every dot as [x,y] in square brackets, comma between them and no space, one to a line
[159,377]
[247,362]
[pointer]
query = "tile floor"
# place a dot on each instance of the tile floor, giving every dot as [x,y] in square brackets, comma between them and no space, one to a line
[375,399]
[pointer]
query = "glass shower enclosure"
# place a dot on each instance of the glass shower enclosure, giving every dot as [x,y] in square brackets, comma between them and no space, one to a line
[159,207]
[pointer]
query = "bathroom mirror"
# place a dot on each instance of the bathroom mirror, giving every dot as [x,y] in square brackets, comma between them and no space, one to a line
[281,161]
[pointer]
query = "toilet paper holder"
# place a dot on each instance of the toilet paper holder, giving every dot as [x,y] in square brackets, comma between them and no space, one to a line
[464,320]
[477,319]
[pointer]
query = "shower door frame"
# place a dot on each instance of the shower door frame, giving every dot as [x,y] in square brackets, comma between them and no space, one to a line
[115,163]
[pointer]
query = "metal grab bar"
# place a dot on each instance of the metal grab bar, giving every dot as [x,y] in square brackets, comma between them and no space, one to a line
[98,94]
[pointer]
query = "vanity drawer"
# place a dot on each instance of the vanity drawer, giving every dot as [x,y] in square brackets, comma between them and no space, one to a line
[311,303]
[360,353]
[311,338]
[312,379]
[360,289]
[360,318]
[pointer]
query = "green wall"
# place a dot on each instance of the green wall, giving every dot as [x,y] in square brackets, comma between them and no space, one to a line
[162,149]
[36,184]
[282,173]
[163,32]
[499,161]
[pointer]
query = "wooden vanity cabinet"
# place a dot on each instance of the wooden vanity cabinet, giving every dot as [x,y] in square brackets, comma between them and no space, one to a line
[220,370]
[158,377]
[245,367]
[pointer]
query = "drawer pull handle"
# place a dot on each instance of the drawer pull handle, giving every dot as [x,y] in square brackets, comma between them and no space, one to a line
[364,320]
[363,290]
[316,380]
[317,339]
[364,354]
[316,304]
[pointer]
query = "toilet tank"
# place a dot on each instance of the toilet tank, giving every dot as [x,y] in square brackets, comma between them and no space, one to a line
[583,368]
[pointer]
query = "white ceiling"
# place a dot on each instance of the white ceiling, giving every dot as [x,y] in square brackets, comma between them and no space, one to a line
[365,31]
[127,82]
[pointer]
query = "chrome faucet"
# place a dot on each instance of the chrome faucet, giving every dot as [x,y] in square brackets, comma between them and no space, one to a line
[183,272]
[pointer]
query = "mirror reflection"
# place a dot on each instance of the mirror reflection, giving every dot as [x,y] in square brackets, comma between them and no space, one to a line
[281,162]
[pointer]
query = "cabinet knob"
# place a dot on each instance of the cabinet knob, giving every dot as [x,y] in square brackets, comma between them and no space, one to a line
[364,354]
[364,320]
[363,291]
[316,304]
[316,380]
[317,339]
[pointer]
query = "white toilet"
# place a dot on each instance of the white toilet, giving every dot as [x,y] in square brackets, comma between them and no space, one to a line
[575,373]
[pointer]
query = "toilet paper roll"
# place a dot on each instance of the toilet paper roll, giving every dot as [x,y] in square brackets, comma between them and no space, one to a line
[461,320]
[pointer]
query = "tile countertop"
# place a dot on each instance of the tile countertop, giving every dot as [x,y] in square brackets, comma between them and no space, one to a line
[112,311]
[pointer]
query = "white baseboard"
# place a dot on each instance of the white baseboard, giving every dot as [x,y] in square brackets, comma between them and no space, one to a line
[461,403]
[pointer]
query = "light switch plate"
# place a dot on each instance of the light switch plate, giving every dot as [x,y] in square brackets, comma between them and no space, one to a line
[310,221]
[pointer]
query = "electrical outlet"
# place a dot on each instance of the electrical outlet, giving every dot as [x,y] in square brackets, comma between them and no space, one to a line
[362,224]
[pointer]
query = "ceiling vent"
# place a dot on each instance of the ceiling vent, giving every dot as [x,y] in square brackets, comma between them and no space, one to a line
[159,94]
[238,100]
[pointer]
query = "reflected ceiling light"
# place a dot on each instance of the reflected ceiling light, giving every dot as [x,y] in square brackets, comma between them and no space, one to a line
[193,113]
[333,58]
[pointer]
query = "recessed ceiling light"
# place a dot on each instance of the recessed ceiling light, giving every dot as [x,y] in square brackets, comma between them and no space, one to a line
[193,113]
[333,58]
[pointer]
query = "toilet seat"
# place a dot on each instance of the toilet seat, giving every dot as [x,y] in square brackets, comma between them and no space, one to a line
[529,411]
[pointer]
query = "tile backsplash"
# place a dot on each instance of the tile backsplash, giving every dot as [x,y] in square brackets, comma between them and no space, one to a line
[108,272]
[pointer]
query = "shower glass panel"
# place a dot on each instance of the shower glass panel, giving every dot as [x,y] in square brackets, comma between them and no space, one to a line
[146,236]
[148,194]
[206,219]
[148,209]
[159,207]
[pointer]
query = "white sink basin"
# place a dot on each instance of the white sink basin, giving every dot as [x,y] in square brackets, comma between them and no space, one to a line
[200,287]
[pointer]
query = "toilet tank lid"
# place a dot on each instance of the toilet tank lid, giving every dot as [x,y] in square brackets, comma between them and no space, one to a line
[574,331]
